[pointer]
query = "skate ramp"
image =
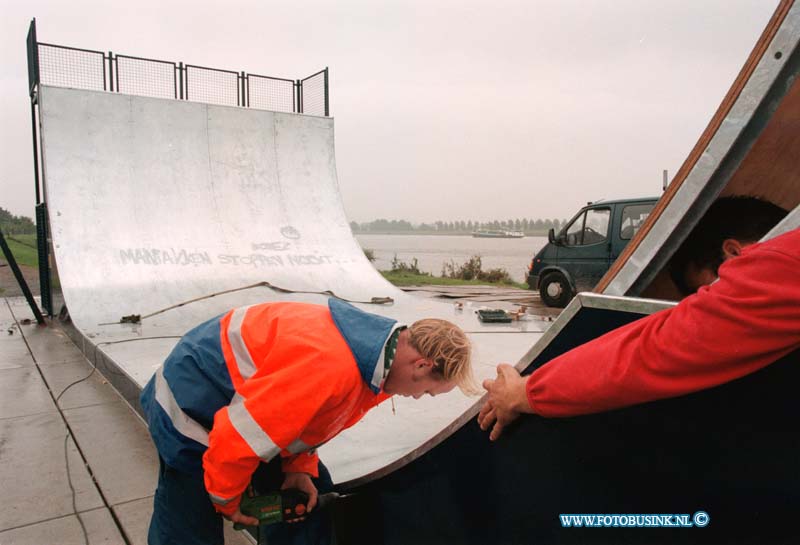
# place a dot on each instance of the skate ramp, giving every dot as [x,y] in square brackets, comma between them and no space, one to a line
[178,211]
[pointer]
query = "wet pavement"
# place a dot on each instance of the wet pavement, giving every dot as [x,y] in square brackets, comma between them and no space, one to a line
[77,464]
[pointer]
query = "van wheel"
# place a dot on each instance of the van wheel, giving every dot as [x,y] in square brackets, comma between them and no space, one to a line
[555,290]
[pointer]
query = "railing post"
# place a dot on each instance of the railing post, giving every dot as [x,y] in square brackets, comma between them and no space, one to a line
[327,103]
[243,80]
[105,87]
[299,85]
[111,71]
[180,79]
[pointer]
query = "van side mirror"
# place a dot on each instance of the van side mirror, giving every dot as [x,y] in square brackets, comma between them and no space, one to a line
[551,236]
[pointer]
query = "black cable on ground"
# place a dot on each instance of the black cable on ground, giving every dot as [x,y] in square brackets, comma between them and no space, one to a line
[72,488]
[94,358]
[138,318]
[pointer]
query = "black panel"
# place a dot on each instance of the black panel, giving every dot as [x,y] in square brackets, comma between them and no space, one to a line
[587,324]
[731,451]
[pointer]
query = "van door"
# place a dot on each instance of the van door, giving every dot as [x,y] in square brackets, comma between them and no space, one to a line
[585,248]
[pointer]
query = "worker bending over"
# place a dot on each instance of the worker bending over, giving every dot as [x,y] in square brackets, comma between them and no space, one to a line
[272,382]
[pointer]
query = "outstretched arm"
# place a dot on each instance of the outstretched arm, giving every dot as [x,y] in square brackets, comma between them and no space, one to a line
[743,322]
[746,320]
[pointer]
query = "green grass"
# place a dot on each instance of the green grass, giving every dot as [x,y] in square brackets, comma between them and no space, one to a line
[405,278]
[29,240]
[24,249]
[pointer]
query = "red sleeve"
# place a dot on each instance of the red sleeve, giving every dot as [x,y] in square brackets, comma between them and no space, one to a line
[746,320]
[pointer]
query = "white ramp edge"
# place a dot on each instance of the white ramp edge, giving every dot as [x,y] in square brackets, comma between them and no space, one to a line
[156,202]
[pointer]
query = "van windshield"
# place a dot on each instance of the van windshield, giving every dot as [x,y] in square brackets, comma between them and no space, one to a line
[590,227]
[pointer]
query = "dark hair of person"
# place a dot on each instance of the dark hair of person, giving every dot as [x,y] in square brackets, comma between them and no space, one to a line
[745,219]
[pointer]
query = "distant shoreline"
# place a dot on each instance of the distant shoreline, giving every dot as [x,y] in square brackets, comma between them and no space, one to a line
[436,233]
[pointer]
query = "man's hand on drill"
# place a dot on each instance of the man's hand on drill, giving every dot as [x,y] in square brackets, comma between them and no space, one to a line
[302,481]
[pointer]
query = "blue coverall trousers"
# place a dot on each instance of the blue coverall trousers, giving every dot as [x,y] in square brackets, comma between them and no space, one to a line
[184,515]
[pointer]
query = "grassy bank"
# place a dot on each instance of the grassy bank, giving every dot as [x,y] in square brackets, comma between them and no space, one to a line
[406,278]
[24,249]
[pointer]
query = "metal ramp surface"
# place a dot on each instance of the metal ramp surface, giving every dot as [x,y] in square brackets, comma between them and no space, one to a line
[154,203]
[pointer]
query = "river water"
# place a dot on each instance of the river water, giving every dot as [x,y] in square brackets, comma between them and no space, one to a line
[433,251]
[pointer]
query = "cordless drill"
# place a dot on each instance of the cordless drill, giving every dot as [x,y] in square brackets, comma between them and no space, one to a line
[288,505]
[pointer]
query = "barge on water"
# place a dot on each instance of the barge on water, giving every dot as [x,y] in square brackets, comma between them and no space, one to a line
[497,233]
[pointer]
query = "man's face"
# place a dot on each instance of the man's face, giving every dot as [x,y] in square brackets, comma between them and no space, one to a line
[412,375]
[696,277]
[416,383]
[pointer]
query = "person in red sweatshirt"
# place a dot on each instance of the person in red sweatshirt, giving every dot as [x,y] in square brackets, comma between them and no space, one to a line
[732,326]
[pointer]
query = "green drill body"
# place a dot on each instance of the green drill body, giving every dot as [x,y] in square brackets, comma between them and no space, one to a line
[288,505]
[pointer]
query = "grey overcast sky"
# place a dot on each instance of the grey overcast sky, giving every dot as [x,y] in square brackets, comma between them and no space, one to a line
[444,109]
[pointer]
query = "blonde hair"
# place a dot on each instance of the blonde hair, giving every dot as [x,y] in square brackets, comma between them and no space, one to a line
[446,345]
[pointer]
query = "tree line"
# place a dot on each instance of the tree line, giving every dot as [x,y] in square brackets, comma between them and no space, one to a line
[15,225]
[527,226]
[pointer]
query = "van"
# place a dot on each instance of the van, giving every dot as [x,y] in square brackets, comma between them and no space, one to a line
[584,249]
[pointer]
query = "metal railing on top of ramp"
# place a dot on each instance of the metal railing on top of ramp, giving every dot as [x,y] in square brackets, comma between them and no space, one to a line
[65,66]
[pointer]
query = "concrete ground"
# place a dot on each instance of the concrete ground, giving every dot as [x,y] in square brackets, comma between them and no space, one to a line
[71,457]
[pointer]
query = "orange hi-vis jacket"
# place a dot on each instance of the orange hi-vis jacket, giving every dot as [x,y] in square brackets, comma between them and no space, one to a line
[267,380]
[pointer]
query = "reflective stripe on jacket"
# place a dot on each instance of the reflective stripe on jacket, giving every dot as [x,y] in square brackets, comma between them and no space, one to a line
[269,379]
